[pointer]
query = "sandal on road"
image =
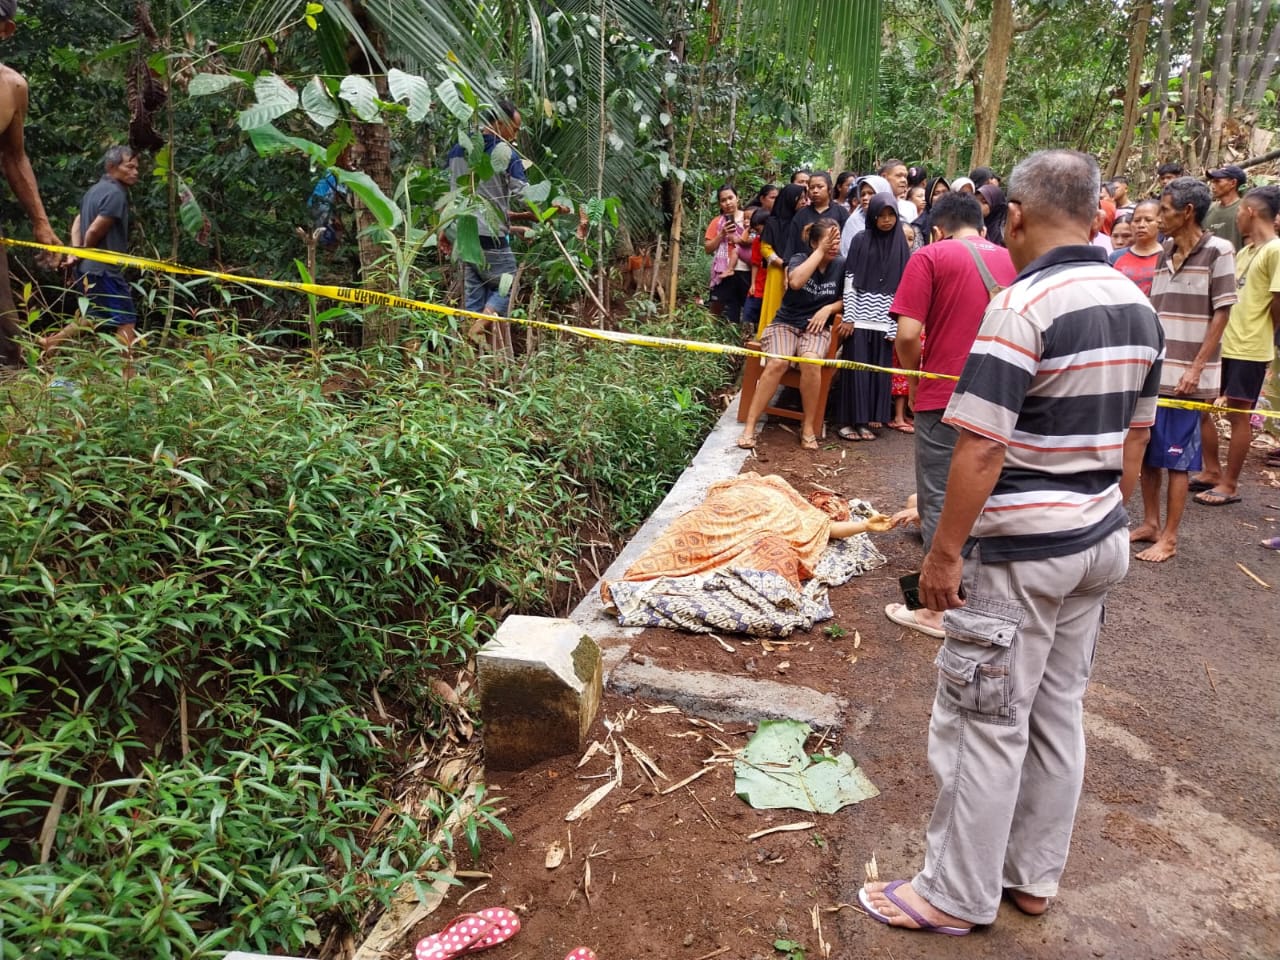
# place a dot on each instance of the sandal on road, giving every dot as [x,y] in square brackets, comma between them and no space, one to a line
[923,925]
[1272,543]
[903,616]
[848,433]
[865,433]
[809,443]
[468,933]
[1212,498]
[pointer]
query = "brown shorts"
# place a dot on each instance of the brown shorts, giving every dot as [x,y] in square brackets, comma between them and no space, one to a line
[789,341]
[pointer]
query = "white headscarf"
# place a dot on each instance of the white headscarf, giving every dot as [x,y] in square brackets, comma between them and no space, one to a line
[857,220]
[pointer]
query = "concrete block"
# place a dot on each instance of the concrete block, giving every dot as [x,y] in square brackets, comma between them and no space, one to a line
[718,696]
[540,684]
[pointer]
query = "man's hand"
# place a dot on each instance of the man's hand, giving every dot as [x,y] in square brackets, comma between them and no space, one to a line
[940,581]
[47,258]
[1189,382]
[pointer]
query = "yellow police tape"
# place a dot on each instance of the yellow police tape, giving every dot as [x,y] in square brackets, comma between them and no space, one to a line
[361,296]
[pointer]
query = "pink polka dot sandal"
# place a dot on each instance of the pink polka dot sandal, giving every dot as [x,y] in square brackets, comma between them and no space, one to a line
[468,933]
[581,953]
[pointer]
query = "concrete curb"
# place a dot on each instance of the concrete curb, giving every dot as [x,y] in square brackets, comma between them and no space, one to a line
[710,695]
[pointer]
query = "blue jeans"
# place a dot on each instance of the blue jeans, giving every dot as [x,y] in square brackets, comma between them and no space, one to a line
[489,287]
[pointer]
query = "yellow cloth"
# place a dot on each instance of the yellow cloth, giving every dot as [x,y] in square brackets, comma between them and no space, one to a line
[1249,334]
[752,522]
[774,283]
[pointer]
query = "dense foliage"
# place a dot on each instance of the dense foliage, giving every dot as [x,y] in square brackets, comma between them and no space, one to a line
[217,573]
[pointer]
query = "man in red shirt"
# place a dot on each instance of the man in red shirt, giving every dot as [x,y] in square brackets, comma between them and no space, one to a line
[939,306]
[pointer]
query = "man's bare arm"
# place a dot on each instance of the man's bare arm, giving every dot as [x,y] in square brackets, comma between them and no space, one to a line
[97,230]
[1212,338]
[1135,448]
[13,158]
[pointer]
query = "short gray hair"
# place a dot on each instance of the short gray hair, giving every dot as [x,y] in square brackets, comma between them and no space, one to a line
[8,10]
[1189,190]
[114,155]
[1061,183]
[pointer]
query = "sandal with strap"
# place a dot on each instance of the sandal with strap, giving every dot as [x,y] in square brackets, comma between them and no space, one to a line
[809,443]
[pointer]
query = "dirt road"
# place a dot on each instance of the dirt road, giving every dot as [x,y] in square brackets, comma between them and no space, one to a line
[1176,851]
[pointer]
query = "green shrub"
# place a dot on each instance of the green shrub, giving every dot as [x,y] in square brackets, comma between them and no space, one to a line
[210,569]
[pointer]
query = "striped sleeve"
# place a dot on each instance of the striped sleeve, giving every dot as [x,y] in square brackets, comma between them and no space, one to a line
[997,375]
[850,300]
[1222,280]
[1144,411]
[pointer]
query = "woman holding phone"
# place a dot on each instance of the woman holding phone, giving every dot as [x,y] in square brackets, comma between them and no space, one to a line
[730,273]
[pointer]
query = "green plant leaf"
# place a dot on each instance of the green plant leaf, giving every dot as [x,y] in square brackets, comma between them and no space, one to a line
[414,89]
[203,84]
[773,772]
[380,205]
[275,98]
[362,95]
[447,91]
[318,105]
[467,239]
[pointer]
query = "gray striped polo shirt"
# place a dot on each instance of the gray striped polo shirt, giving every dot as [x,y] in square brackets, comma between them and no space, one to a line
[1067,359]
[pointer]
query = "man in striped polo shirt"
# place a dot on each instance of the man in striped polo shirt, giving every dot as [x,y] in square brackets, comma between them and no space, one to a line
[1192,290]
[1053,409]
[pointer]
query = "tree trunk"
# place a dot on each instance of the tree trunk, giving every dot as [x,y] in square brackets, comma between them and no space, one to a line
[1137,53]
[1159,98]
[1191,82]
[1267,67]
[1252,23]
[988,92]
[374,142]
[1222,84]
[602,268]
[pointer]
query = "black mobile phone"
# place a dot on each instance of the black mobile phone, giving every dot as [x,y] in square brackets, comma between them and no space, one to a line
[910,585]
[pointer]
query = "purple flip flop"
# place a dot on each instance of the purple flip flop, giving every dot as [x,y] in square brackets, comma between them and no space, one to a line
[924,925]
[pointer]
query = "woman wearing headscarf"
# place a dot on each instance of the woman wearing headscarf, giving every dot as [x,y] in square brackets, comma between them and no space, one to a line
[963,185]
[873,269]
[859,197]
[994,208]
[776,250]
[924,223]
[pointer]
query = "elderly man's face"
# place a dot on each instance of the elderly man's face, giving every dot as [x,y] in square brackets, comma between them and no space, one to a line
[897,178]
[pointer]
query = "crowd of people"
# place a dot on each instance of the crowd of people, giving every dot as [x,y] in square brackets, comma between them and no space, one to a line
[870,260]
[1062,340]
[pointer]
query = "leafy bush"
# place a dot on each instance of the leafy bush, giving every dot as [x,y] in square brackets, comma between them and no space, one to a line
[212,569]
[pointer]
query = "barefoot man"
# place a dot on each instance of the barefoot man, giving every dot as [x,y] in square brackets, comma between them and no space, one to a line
[1053,410]
[22,180]
[1248,345]
[1193,290]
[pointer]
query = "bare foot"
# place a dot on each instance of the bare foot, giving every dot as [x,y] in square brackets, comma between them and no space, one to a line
[1159,552]
[1031,906]
[1147,533]
[897,918]
[929,618]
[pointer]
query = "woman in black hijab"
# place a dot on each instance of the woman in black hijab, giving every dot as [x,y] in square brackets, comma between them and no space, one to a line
[873,269]
[938,186]
[994,208]
[776,250]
